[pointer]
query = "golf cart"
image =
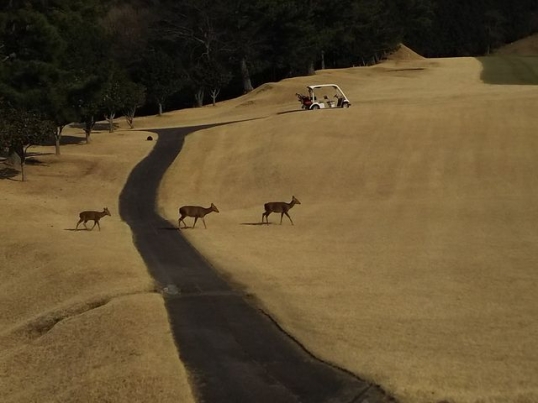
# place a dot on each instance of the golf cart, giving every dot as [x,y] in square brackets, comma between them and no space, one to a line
[323,96]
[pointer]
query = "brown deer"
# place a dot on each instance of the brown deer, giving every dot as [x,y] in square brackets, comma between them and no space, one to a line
[196,212]
[86,216]
[279,207]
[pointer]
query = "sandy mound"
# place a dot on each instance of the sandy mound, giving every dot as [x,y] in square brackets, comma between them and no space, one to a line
[404,53]
[523,47]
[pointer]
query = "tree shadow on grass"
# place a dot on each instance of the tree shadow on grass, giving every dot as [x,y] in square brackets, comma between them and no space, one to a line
[67,139]
[97,127]
[33,161]
[8,173]
[70,140]
[36,154]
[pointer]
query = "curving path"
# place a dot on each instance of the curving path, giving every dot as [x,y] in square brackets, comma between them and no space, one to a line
[233,351]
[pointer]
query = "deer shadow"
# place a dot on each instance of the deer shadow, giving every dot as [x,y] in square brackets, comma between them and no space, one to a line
[255,223]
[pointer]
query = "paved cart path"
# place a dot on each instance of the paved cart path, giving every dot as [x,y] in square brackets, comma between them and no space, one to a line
[233,351]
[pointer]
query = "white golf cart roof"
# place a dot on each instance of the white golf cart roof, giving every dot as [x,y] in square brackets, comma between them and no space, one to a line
[322,85]
[333,86]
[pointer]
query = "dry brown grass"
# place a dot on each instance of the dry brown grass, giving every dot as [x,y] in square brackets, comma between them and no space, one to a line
[412,261]
[79,318]
[523,47]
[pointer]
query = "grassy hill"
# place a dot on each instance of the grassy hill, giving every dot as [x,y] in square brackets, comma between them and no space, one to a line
[411,262]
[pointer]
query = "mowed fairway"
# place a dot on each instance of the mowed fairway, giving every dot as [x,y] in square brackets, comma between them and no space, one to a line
[80,320]
[412,262]
[413,259]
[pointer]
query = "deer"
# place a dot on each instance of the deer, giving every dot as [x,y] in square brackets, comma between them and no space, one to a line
[86,216]
[196,212]
[279,207]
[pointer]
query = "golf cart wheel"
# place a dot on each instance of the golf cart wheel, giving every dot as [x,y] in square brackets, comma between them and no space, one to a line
[346,105]
[314,107]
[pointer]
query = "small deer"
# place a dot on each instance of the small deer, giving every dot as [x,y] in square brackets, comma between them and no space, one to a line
[196,212]
[86,216]
[279,207]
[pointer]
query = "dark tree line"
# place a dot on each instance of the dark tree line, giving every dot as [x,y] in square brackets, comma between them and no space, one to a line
[471,28]
[85,60]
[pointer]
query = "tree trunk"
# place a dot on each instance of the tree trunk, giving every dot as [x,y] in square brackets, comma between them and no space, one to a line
[57,138]
[199,97]
[88,126]
[311,70]
[214,94]
[21,152]
[129,117]
[110,119]
[245,74]
[160,108]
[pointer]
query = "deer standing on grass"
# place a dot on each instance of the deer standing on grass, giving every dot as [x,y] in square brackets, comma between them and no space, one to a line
[279,207]
[196,212]
[95,216]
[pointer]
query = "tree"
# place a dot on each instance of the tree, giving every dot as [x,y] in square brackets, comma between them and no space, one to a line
[247,25]
[212,76]
[21,129]
[87,98]
[198,27]
[87,60]
[135,96]
[113,96]
[51,60]
[127,26]
[161,74]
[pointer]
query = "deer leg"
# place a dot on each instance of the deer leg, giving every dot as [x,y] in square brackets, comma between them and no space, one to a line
[98,225]
[195,219]
[79,221]
[288,217]
[179,222]
[281,216]
[85,226]
[203,220]
[94,223]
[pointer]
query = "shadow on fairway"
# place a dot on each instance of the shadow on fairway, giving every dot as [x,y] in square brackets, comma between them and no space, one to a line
[8,173]
[509,70]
